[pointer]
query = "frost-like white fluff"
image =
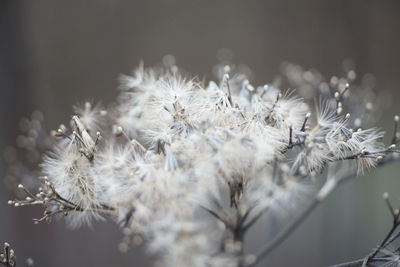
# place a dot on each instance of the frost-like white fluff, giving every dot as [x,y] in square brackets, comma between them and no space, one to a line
[70,173]
[172,145]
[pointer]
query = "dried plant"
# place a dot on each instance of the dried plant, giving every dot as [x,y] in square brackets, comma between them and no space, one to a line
[387,253]
[172,150]
[7,256]
[9,259]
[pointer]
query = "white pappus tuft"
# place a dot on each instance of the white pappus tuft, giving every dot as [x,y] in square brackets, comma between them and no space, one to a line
[172,150]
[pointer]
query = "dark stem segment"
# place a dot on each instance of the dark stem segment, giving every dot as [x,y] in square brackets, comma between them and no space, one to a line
[238,238]
[239,232]
[7,257]
[7,252]
[387,240]
[358,263]
[396,125]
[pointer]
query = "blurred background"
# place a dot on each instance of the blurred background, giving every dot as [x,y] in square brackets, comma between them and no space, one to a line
[54,54]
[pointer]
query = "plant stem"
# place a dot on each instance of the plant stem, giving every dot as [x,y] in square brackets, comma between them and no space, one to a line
[266,249]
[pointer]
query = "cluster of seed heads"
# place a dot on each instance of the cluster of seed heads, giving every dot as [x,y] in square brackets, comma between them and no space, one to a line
[173,148]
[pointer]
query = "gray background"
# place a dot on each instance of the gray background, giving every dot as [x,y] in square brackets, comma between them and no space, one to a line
[56,53]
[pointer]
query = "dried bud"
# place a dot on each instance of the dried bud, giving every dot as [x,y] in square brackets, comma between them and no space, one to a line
[337,95]
[117,130]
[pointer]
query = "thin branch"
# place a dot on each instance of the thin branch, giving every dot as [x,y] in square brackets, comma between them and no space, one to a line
[358,263]
[266,249]
[218,216]
[389,238]
[395,129]
[290,136]
[255,219]
[55,204]
[384,242]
